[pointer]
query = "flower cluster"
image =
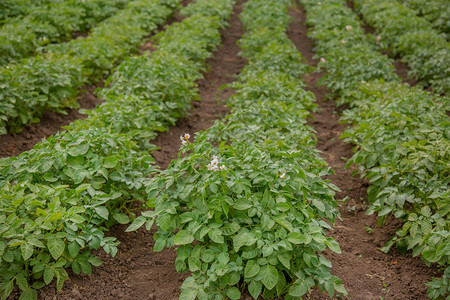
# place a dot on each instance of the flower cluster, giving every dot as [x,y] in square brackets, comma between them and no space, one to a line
[214,165]
[185,139]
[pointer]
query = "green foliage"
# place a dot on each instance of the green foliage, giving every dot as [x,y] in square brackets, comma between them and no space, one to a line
[401,134]
[404,148]
[50,23]
[426,51]
[14,8]
[58,199]
[437,12]
[51,80]
[350,55]
[248,214]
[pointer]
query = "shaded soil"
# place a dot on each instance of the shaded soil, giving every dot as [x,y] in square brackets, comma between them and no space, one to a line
[137,272]
[366,272]
[52,122]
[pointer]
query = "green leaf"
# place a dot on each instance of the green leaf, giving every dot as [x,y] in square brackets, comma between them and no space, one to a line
[22,281]
[137,223]
[285,260]
[216,235]
[102,212]
[384,211]
[183,237]
[95,261]
[214,188]
[48,275]
[269,276]
[251,269]
[318,204]
[27,250]
[333,245]
[296,238]
[81,149]
[244,238]
[55,246]
[233,293]
[110,162]
[28,294]
[426,211]
[159,245]
[230,228]
[242,204]
[255,288]
[73,249]
[121,218]
[298,289]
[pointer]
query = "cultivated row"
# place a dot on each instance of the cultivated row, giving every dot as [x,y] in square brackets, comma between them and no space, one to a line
[425,50]
[245,203]
[50,23]
[58,199]
[402,135]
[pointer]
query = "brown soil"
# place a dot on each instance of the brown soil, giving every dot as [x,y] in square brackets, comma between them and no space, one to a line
[52,122]
[366,272]
[137,272]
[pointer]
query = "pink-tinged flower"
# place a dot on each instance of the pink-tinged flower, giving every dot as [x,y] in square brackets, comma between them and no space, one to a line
[216,168]
[322,60]
[283,176]
[223,168]
[187,136]
[348,27]
[378,38]
[363,82]
[185,143]
[343,42]
[209,167]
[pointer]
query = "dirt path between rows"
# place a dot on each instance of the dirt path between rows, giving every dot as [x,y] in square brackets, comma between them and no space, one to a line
[366,272]
[137,272]
[52,122]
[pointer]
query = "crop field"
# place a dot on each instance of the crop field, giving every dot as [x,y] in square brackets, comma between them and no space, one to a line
[224,149]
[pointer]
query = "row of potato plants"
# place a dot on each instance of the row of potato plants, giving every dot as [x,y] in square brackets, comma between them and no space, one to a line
[50,23]
[437,12]
[14,8]
[425,50]
[244,204]
[401,135]
[51,81]
[58,199]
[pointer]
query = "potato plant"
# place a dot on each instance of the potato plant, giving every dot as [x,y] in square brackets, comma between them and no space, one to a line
[401,134]
[248,215]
